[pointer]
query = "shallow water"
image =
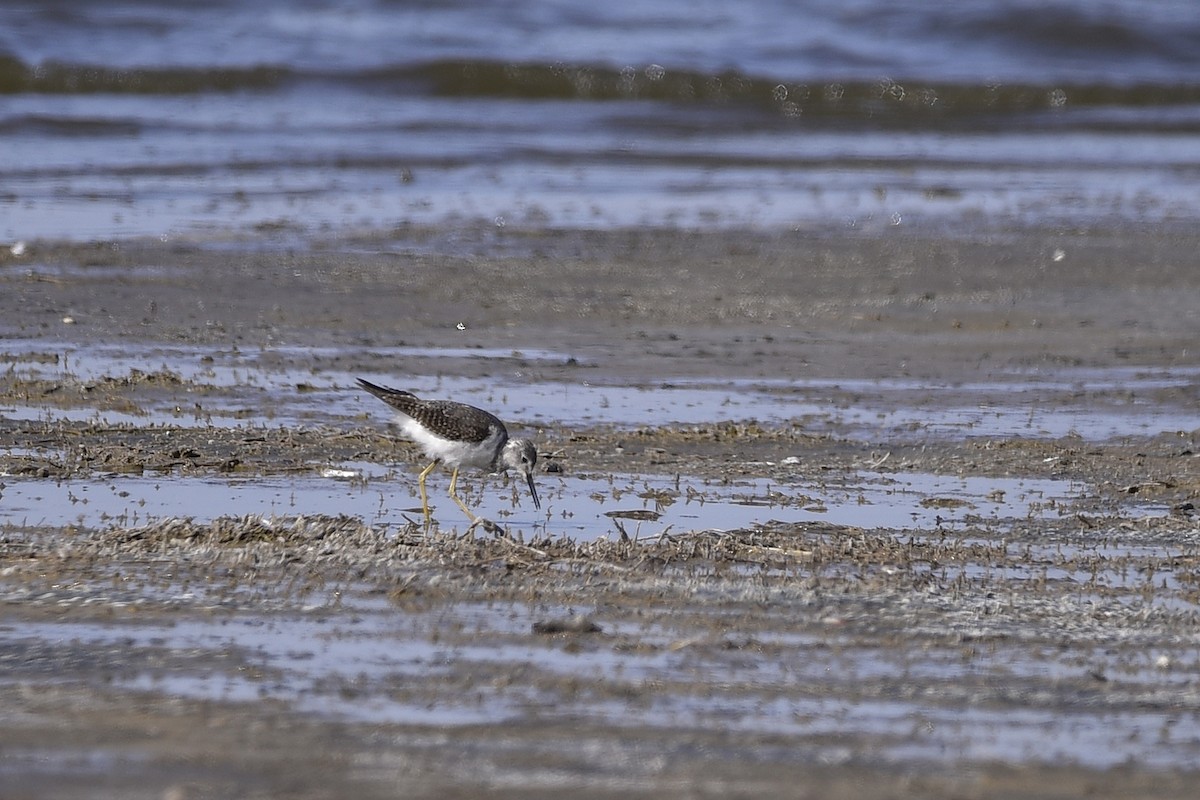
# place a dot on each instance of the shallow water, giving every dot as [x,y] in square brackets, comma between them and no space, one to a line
[582,508]
[269,387]
[154,119]
[383,667]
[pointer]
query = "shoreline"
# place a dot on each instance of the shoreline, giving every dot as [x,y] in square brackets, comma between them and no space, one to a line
[615,288]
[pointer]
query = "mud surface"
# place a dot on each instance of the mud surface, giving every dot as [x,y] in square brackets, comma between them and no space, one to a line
[962,476]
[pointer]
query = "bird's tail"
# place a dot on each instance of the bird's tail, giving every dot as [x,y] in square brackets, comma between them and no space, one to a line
[383,392]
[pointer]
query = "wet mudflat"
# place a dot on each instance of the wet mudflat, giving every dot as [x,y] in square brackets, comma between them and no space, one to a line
[921,524]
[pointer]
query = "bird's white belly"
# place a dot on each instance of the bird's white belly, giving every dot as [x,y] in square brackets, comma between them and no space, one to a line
[450,452]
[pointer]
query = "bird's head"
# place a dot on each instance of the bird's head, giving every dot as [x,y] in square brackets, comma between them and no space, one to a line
[521,455]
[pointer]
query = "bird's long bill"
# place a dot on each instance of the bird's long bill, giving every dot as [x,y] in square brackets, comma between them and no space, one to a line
[533,490]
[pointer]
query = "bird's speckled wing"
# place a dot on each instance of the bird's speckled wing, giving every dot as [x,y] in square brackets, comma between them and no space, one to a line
[444,418]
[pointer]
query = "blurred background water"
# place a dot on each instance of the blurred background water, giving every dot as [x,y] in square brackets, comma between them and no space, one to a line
[122,119]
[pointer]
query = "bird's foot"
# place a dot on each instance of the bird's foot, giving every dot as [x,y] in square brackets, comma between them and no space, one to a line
[487,525]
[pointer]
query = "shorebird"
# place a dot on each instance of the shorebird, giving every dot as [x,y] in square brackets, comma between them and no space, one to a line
[457,435]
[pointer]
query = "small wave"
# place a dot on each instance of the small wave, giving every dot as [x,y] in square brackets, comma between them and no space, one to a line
[835,100]
[52,77]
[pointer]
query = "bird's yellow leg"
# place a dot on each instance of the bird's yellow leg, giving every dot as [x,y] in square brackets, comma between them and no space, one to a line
[425,497]
[454,494]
